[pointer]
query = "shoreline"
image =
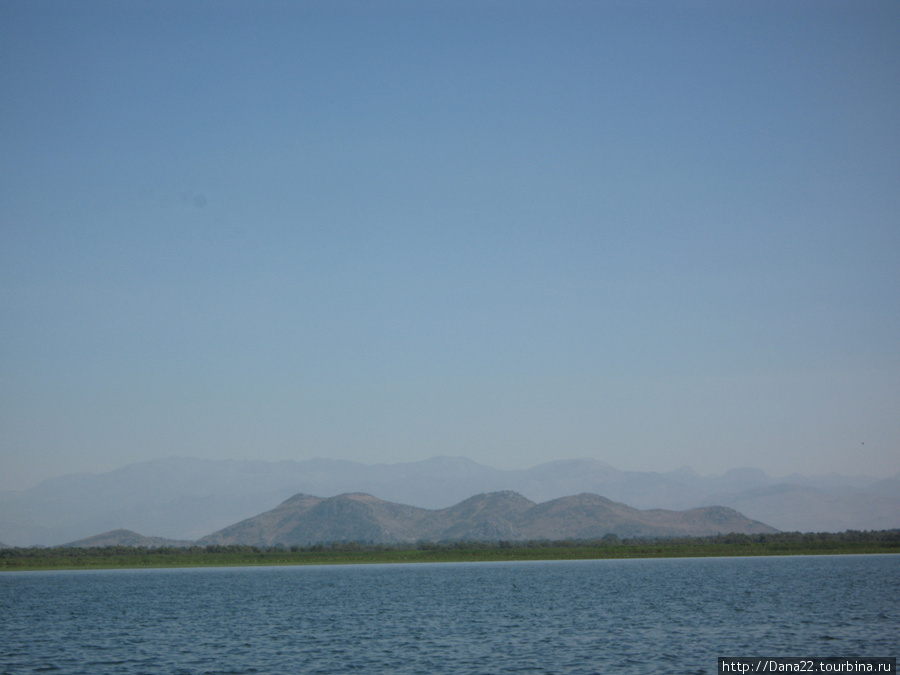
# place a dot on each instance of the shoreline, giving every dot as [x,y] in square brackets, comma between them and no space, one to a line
[122,557]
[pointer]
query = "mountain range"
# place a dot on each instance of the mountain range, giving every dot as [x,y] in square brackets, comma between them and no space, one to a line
[305,520]
[186,499]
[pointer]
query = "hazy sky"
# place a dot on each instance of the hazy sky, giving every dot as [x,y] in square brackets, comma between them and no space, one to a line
[656,234]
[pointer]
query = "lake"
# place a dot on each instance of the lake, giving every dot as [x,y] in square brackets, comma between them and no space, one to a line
[603,616]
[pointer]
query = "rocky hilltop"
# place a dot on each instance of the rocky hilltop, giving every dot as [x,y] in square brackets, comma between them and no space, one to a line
[304,520]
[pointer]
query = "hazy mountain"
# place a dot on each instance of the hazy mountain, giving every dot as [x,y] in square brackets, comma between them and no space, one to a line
[491,516]
[184,499]
[588,516]
[125,538]
[801,508]
[304,520]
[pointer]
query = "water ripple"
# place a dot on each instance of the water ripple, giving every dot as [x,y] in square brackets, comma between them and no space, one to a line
[565,618]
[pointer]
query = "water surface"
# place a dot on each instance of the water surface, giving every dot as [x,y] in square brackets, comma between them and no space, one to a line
[606,616]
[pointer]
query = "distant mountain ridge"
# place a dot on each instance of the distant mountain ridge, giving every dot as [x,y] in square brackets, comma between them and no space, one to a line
[304,520]
[185,499]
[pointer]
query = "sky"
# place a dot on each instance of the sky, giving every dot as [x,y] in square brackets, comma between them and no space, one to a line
[657,234]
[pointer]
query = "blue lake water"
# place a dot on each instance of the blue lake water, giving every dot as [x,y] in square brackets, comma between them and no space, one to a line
[609,616]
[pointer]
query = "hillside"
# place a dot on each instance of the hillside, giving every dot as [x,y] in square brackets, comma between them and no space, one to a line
[124,538]
[304,520]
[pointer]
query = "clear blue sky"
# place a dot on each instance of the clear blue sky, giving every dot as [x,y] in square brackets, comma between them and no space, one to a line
[657,234]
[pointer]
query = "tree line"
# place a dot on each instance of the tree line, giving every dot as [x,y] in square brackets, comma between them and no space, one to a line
[611,545]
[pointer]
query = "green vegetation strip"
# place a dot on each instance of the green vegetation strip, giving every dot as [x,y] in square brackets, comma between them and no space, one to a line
[111,557]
